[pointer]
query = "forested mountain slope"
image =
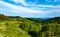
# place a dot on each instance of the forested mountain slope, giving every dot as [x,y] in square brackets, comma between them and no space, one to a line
[15,26]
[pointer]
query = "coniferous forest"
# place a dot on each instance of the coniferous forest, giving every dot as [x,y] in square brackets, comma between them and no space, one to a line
[15,26]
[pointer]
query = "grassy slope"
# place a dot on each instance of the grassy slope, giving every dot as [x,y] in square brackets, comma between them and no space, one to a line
[22,27]
[11,29]
[10,26]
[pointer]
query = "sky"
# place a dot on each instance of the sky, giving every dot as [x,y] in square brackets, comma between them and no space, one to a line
[30,8]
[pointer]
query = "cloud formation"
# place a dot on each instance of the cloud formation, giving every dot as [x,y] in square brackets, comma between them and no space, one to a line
[30,8]
[19,1]
[20,9]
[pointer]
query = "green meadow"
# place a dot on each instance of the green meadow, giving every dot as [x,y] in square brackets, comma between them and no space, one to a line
[15,26]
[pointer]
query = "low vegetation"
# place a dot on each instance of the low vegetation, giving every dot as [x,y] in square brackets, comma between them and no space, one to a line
[15,26]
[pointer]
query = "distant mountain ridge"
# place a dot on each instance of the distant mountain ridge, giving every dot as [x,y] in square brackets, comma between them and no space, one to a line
[4,17]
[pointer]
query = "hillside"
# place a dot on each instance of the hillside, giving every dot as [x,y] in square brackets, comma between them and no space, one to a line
[35,19]
[3,17]
[52,20]
[15,26]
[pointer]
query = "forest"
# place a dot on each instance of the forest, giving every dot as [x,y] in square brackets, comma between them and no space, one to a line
[16,26]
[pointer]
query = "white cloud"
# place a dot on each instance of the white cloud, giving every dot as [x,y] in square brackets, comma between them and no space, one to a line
[52,0]
[20,1]
[21,9]
[32,4]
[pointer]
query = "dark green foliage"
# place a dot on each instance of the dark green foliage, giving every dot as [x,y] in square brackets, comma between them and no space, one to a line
[35,19]
[14,17]
[7,24]
[33,34]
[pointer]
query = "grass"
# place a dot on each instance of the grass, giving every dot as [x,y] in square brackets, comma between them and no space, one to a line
[11,29]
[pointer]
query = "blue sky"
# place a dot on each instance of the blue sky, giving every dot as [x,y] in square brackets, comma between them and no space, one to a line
[30,8]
